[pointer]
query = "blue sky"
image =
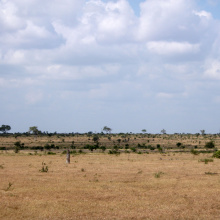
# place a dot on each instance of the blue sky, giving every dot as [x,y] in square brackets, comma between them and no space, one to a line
[77,65]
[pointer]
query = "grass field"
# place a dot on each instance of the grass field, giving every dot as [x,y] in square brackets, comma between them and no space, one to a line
[103,186]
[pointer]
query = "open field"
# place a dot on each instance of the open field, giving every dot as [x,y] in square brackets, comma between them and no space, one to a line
[103,186]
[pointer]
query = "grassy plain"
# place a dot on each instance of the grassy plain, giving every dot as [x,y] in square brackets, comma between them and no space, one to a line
[103,186]
[189,141]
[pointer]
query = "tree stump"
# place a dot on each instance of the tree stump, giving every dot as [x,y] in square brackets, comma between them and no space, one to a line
[68,156]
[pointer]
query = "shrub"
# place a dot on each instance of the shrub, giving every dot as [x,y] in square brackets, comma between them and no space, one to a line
[37,148]
[217,154]
[51,153]
[103,148]
[44,168]
[2,148]
[16,150]
[158,174]
[133,149]
[152,148]
[9,186]
[206,161]
[195,152]
[114,152]
[178,144]
[72,147]
[158,146]
[209,144]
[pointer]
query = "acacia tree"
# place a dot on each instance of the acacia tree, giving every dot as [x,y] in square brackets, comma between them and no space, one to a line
[144,130]
[107,129]
[202,132]
[34,130]
[5,128]
[163,131]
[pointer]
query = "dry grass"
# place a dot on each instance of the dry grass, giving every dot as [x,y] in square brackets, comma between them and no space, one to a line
[102,186]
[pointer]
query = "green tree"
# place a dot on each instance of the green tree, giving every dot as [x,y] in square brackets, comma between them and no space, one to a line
[107,129]
[202,132]
[163,131]
[5,128]
[34,130]
[144,130]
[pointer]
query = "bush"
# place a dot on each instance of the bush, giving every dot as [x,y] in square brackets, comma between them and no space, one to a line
[44,168]
[158,174]
[114,152]
[16,150]
[2,148]
[103,148]
[51,153]
[178,144]
[195,152]
[133,149]
[206,160]
[37,148]
[209,144]
[217,154]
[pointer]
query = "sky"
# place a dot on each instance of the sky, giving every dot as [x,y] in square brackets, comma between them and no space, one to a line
[80,65]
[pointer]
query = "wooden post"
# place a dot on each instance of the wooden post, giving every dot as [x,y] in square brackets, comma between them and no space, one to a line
[68,156]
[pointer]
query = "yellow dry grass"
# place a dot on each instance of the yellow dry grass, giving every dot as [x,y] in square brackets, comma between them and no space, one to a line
[102,186]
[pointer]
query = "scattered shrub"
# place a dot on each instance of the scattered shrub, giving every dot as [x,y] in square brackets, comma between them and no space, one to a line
[206,161]
[210,144]
[133,149]
[37,148]
[103,148]
[217,154]
[158,174]
[51,153]
[195,152]
[44,168]
[9,186]
[178,144]
[16,149]
[114,152]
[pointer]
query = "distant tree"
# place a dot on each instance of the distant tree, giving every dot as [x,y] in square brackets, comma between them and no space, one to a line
[144,130]
[202,132]
[163,131]
[34,130]
[107,129]
[5,128]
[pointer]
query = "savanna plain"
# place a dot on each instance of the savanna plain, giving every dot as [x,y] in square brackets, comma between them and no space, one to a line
[129,184]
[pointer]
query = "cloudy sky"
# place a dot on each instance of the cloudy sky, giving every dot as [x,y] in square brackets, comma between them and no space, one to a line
[78,65]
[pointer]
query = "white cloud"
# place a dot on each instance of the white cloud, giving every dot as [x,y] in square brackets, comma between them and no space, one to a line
[204,14]
[172,48]
[212,70]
